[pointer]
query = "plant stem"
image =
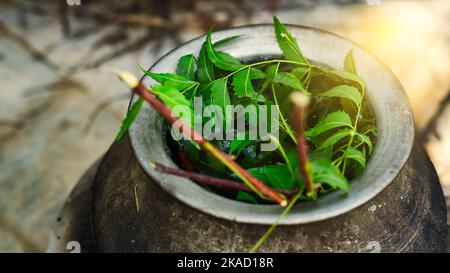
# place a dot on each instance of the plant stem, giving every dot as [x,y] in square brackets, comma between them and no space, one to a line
[274,225]
[251,65]
[352,135]
[257,186]
[282,151]
[299,103]
[209,180]
[285,125]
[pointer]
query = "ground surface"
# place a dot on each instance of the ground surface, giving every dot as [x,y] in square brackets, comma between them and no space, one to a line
[59,111]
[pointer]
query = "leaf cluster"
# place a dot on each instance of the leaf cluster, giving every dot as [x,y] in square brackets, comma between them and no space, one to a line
[340,127]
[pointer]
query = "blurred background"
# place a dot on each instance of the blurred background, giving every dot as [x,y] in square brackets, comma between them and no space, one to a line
[59,112]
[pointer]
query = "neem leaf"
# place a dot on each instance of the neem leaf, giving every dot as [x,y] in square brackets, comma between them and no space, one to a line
[276,176]
[349,62]
[324,153]
[228,59]
[221,59]
[242,84]
[331,121]
[205,68]
[270,75]
[287,43]
[238,145]
[349,77]
[290,80]
[334,138]
[271,71]
[301,71]
[129,118]
[172,98]
[344,91]
[279,176]
[357,155]
[178,82]
[186,67]
[224,41]
[256,74]
[367,141]
[246,197]
[325,172]
[220,97]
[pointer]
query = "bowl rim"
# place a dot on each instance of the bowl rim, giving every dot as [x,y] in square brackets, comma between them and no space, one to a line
[327,206]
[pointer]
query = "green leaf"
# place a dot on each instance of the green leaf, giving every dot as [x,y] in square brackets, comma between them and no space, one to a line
[221,59]
[357,155]
[258,173]
[289,80]
[171,97]
[325,172]
[205,68]
[237,145]
[333,139]
[349,77]
[246,197]
[129,118]
[256,74]
[276,176]
[287,43]
[186,67]
[331,121]
[279,176]
[220,97]
[326,153]
[270,75]
[349,62]
[301,71]
[271,71]
[367,141]
[242,84]
[224,41]
[178,82]
[344,91]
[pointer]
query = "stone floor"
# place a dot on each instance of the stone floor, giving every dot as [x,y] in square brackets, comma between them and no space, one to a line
[59,111]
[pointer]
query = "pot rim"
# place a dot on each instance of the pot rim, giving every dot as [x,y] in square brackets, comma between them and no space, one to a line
[393,114]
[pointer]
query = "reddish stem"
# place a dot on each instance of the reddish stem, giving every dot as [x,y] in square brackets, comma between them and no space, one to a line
[184,161]
[298,117]
[166,113]
[210,180]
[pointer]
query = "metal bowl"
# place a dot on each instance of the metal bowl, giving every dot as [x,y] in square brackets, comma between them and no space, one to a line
[385,93]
